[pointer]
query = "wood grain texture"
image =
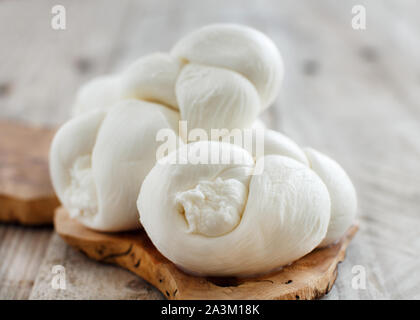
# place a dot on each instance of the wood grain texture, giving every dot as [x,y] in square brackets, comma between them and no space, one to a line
[26,193]
[311,277]
[351,94]
[85,278]
[21,251]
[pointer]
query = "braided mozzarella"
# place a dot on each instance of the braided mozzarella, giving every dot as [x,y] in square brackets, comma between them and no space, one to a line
[218,220]
[100,157]
[98,161]
[220,76]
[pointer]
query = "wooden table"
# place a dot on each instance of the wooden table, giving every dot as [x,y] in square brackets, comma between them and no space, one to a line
[353,94]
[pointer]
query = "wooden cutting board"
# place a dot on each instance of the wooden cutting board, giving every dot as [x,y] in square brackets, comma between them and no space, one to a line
[311,277]
[26,193]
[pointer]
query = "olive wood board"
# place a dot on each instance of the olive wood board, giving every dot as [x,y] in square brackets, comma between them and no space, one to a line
[310,277]
[26,193]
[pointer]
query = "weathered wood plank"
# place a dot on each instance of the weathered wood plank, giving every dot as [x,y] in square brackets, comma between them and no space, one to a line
[21,252]
[359,113]
[26,193]
[86,278]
